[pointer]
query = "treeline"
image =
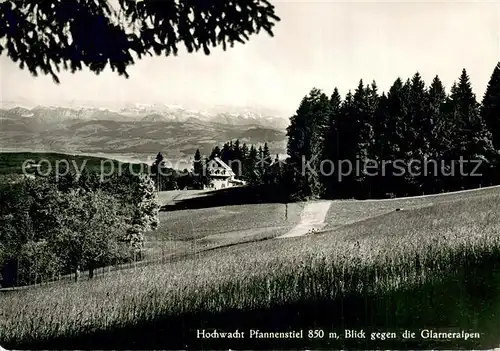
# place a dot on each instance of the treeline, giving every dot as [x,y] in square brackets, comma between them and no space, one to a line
[251,163]
[413,140]
[61,224]
[166,179]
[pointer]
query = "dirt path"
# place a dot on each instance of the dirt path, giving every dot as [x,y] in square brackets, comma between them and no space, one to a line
[312,219]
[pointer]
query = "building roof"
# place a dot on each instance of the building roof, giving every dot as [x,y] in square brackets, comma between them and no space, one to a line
[223,164]
[218,163]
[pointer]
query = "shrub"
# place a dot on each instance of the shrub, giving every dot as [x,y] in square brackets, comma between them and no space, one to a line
[50,227]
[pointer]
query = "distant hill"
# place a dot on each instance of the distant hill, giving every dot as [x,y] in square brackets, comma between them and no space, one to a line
[137,112]
[12,162]
[269,135]
[94,130]
[155,117]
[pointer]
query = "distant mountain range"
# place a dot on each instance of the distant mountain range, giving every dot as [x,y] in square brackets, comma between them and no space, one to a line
[153,112]
[138,129]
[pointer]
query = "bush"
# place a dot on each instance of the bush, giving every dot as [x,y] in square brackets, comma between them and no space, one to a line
[91,227]
[38,262]
[52,227]
[139,204]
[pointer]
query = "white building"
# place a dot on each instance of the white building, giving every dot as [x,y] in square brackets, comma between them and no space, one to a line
[221,175]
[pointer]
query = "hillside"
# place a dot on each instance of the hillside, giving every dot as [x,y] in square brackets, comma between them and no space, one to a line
[11,163]
[400,270]
[98,130]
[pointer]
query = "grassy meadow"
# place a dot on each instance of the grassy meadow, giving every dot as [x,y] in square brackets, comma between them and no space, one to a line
[344,212]
[435,265]
[11,163]
[189,232]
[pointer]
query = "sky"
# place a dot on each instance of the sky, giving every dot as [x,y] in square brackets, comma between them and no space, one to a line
[323,44]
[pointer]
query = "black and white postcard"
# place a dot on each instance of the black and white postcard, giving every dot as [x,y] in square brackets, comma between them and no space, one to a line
[249,174]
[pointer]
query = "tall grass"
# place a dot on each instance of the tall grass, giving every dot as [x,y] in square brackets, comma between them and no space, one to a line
[399,251]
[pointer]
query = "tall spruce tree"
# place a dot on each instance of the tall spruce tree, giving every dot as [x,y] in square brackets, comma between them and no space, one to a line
[199,172]
[266,164]
[305,144]
[363,121]
[244,160]
[276,170]
[439,137]
[347,130]
[318,119]
[490,108]
[252,171]
[382,148]
[417,118]
[331,147]
[225,154]
[450,177]
[472,143]
[216,152]
[244,151]
[237,159]
[156,171]
[362,133]
[396,154]
[490,114]
[296,146]
[260,164]
[416,135]
[373,100]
